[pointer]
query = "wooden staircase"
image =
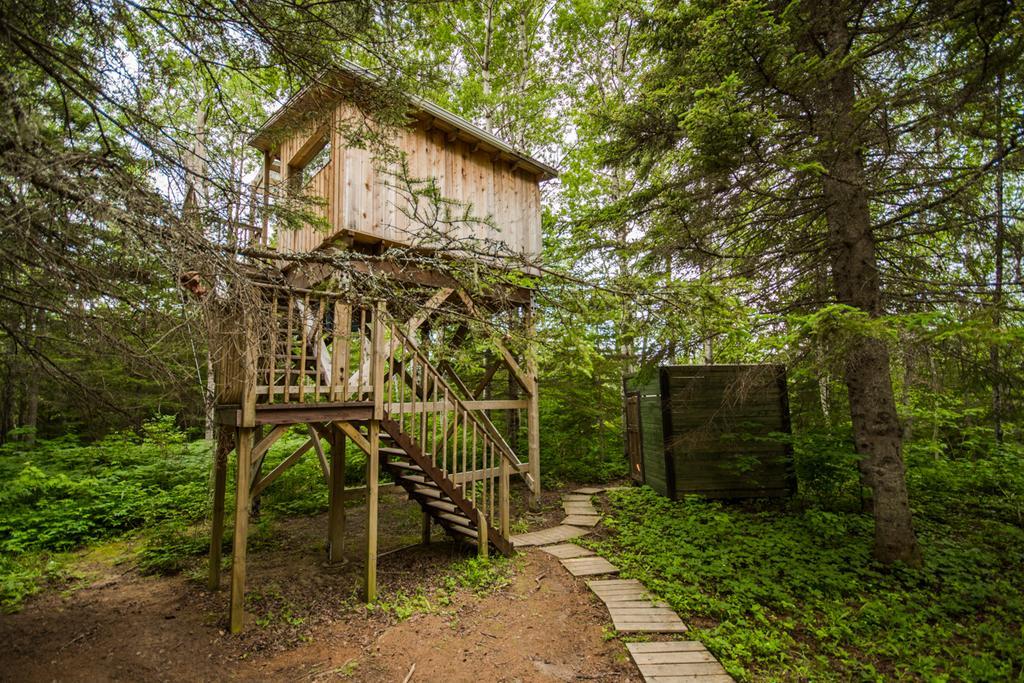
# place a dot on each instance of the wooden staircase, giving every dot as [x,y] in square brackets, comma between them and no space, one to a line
[437,495]
[450,460]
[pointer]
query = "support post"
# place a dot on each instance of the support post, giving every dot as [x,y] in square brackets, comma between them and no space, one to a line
[336,505]
[425,531]
[482,544]
[244,457]
[372,474]
[532,409]
[220,484]
[503,497]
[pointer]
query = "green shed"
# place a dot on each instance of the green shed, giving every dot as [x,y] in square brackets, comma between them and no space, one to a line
[715,430]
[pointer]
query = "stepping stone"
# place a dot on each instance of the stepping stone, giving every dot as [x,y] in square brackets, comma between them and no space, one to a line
[621,597]
[565,551]
[582,520]
[575,498]
[579,509]
[589,566]
[679,660]
[555,534]
[589,490]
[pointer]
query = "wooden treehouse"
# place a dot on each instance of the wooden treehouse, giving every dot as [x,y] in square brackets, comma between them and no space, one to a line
[373,364]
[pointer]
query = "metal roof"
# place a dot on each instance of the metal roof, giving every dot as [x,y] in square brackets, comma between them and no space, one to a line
[263,139]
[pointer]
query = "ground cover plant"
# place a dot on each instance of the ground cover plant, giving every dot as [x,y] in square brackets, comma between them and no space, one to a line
[59,495]
[789,592]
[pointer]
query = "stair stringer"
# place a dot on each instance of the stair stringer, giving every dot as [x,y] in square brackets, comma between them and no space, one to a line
[447,486]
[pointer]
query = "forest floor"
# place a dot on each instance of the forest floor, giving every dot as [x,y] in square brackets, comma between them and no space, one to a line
[440,610]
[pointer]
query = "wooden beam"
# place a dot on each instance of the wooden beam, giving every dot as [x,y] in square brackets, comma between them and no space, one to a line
[243,465]
[315,437]
[259,452]
[224,446]
[336,497]
[355,435]
[533,410]
[313,144]
[506,355]
[432,304]
[486,379]
[489,473]
[372,475]
[293,413]
[498,404]
[266,481]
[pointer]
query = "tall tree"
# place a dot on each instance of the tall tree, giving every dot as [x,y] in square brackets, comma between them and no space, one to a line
[790,138]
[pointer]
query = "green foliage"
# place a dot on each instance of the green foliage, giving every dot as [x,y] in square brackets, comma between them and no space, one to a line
[58,495]
[479,575]
[795,594]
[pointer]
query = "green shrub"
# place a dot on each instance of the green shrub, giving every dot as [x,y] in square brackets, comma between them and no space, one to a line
[795,594]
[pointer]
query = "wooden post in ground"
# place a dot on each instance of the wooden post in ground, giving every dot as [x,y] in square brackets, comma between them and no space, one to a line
[336,505]
[482,544]
[533,409]
[243,452]
[220,484]
[372,474]
[503,498]
[425,531]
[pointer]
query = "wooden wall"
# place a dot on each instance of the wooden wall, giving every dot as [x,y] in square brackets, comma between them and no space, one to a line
[363,196]
[715,422]
[652,438]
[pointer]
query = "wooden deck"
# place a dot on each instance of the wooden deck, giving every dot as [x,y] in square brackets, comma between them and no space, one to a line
[677,661]
[298,413]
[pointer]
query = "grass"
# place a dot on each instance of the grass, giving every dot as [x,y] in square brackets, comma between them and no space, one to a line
[789,594]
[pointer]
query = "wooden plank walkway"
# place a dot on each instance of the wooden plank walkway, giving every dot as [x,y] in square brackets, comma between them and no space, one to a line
[564,551]
[632,610]
[631,607]
[677,661]
[582,520]
[555,534]
[589,566]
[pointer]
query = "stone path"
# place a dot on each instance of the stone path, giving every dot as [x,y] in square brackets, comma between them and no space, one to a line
[632,609]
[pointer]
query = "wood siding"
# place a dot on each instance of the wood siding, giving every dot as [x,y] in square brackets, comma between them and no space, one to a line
[722,419]
[718,423]
[369,200]
[652,438]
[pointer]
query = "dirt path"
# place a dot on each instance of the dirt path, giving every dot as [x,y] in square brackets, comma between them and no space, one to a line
[308,625]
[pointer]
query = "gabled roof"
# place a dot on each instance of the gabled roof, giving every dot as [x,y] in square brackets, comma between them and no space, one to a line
[266,138]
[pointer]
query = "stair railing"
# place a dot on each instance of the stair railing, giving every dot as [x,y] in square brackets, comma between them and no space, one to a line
[427,408]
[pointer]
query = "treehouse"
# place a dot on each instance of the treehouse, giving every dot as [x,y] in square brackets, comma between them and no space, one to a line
[362,349]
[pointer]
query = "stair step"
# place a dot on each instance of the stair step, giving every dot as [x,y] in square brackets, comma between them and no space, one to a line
[444,505]
[461,530]
[433,492]
[416,479]
[460,520]
[392,451]
[398,465]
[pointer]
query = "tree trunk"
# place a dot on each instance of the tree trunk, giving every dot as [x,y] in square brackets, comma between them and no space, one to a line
[851,244]
[997,294]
